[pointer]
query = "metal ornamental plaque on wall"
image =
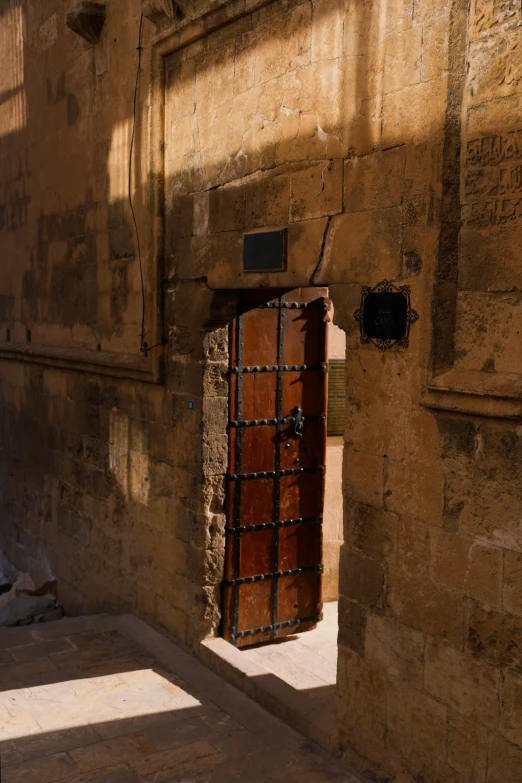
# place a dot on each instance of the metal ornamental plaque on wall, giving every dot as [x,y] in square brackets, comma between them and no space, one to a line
[385,315]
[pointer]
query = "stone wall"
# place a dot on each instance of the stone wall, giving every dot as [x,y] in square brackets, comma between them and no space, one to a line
[373,131]
[101,458]
[429,614]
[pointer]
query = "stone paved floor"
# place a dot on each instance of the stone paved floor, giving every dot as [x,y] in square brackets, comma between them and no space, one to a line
[307,661]
[108,700]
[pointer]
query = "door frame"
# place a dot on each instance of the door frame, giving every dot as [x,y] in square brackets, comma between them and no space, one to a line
[209,351]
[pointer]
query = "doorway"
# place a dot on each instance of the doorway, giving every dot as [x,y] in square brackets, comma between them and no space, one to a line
[279,597]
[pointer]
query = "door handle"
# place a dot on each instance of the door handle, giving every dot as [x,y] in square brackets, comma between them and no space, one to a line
[299,421]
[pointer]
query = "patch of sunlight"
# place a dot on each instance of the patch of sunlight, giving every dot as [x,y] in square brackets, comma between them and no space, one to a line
[13,110]
[94,701]
[118,161]
[128,458]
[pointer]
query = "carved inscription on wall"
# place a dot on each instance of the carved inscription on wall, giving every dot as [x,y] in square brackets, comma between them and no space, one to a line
[496,72]
[491,15]
[493,180]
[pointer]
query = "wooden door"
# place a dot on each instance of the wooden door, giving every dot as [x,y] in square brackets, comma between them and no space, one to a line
[276,467]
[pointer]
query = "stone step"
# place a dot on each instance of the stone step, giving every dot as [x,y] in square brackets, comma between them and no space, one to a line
[296,708]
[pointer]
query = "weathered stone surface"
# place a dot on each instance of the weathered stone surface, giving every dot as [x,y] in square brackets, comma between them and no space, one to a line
[371,531]
[387,138]
[362,579]
[395,648]
[364,246]
[505,761]
[495,637]
[316,191]
[402,61]
[484,575]
[410,115]
[470,687]
[467,748]
[481,328]
[415,489]
[413,546]
[474,503]
[512,592]
[363,478]
[374,181]
[435,52]
[384,438]
[416,721]
[363,685]
[352,624]
[425,605]
[511,707]
[449,559]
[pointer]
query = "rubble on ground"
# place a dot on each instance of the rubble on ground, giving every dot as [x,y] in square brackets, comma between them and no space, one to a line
[22,602]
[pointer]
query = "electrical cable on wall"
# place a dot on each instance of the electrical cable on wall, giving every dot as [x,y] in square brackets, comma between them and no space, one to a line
[144,347]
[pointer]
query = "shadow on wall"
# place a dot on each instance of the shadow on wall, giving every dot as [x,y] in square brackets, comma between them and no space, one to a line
[73,278]
[272,126]
[290,106]
[101,476]
[65,169]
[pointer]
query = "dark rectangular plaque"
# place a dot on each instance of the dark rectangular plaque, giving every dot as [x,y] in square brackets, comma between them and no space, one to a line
[385,315]
[265,251]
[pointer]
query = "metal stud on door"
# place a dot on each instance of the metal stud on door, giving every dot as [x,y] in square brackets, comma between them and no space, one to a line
[276,473]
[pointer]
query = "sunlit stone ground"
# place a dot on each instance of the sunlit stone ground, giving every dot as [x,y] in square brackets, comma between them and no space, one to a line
[82,702]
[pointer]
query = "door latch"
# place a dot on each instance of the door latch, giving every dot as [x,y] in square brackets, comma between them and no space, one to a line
[299,421]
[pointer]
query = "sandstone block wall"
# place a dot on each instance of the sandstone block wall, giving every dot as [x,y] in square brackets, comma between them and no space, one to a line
[428,625]
[100,456]
[385,136]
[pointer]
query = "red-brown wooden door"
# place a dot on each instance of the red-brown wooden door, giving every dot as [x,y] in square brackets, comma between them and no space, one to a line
[276,466]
